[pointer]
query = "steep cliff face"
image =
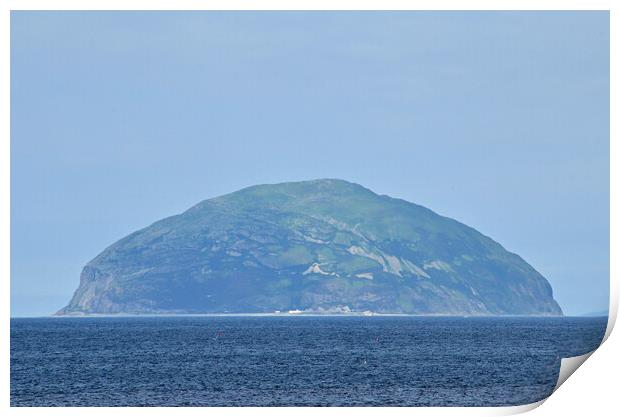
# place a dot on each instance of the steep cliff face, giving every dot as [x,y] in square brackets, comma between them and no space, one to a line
[324,245]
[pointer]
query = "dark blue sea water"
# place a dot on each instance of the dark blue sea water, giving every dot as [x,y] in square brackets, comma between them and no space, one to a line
[292,361]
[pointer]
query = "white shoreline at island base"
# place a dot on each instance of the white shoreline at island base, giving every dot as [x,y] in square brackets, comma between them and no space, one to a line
[297,313]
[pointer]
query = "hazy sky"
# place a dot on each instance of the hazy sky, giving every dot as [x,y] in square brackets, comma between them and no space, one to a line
[499,120]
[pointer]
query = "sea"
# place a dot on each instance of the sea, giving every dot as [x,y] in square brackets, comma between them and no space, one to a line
[293,360]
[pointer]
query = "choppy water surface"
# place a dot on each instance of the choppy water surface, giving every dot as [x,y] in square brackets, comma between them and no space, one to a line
[292,361]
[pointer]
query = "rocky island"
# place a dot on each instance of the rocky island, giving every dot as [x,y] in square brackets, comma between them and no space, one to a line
[313,246]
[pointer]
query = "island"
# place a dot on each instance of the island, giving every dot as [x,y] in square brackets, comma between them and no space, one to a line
[324,246]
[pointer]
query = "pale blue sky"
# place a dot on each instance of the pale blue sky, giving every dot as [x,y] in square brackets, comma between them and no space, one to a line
[499,120]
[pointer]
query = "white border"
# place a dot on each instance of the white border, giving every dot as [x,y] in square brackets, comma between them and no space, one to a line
[595,381]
